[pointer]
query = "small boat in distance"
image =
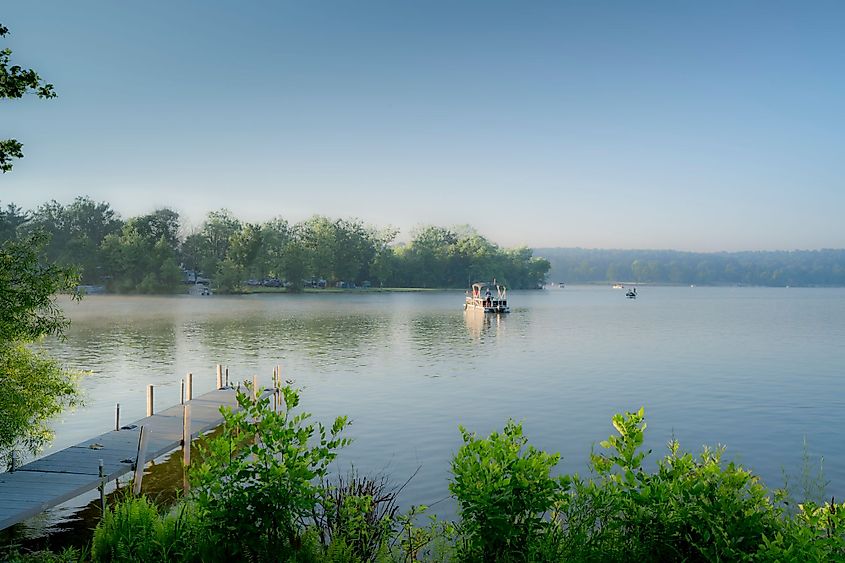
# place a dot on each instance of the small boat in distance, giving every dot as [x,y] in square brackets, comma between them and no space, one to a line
[618,286]
[199,289]
[484,299]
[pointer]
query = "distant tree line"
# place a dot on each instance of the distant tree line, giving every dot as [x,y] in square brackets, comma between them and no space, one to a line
[150,253]
[765,268]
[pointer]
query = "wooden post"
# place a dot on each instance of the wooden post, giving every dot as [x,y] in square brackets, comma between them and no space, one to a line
[140,460]
[189,387]
[227,377]
[117,416]
[186,435]
[150,400]
[219,376]
[254,386]
[181,391]
[102,489]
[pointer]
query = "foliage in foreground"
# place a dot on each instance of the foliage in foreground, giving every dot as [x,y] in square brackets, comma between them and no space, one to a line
[15,83]
[35,388]
[261,494]
[260,479]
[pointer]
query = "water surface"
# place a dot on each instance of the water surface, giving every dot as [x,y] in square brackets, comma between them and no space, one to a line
[757,369]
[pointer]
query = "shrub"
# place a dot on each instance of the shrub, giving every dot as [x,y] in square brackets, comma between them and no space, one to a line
[67,555]
[504,489]
[355,517]
[260,480]
[690,509]
[135,530]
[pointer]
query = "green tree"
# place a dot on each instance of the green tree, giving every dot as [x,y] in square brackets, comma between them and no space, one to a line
[76,233]
[296,262]
[161,223]
[244,247]
[11,220]
[134,262]
[205,249]
[35,388]
[16,82]
[269,260]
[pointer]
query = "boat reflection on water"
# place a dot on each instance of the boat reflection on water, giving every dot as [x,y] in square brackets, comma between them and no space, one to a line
[480,325]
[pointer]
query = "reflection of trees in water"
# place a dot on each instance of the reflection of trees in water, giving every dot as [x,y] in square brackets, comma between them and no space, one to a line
[327,335]
[96,345]
[434,333]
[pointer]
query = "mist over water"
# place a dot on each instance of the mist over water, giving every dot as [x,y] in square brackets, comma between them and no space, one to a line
[755,369]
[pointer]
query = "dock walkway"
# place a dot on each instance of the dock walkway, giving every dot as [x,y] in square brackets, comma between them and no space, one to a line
[68,473]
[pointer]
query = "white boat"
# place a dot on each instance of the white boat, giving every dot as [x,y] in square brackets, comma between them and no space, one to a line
[487,297]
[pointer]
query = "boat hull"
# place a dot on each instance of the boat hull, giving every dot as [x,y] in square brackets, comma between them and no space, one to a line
[495,308]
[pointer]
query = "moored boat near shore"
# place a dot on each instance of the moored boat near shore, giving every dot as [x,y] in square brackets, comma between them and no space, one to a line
[483,299]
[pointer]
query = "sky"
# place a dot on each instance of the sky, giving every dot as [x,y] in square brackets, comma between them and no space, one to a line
[701,126]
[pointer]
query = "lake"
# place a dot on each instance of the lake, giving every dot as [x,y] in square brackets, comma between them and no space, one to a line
[757,369]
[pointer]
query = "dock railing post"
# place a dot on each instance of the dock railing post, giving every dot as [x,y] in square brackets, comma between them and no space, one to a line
[227,377]
[186,435]
[254,387]
[140,460]
[189,387]
[117,416]
[102,489]
[219,376]
[181,391]
[150,400]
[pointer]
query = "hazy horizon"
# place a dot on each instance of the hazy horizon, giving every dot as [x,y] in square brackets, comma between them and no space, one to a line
[692,127]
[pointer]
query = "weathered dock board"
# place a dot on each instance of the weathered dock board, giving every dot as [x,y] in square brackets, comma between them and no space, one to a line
[66,474]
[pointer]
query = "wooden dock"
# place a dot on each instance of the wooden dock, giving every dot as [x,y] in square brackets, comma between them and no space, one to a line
[66,474]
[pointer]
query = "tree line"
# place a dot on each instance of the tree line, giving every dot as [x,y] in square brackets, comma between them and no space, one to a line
[150,253]
[762,268]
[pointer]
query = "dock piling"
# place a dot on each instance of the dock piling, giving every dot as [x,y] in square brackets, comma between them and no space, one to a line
[186,435]
[117,416]
[182,391]
[189,387]
[219,376]
[140,460]
[102,489]
[150,400]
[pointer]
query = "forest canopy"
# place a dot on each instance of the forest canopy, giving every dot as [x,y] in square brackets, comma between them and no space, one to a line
[152,253]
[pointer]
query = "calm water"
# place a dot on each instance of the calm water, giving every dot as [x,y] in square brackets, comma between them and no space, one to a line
[756,369]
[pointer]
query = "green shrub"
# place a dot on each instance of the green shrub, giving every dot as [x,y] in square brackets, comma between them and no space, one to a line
[689,509]
[815,533]
[355,517]
[434,542]
[504,489]
[67,555]
[261,494]
[260,480]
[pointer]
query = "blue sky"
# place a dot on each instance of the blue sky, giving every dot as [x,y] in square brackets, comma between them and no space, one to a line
[687,125]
